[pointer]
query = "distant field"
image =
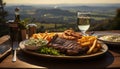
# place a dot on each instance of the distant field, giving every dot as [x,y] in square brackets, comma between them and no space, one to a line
[54,27]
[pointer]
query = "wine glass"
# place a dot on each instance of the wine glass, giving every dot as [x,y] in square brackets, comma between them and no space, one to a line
[83,22]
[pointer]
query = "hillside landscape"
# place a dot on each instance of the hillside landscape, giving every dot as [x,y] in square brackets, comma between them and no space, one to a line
[63,14]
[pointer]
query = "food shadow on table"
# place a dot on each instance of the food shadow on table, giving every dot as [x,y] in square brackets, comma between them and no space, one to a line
[114,48]
[99,62]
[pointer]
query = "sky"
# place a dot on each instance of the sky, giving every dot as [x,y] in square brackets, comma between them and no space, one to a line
[58,1]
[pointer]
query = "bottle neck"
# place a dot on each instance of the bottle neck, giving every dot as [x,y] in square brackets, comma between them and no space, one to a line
[17,18]
[17,15]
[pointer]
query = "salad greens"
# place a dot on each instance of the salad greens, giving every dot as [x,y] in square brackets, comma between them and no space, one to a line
[36,42]
[48,50]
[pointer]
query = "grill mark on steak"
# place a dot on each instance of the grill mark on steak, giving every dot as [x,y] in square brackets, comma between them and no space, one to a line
[69,47]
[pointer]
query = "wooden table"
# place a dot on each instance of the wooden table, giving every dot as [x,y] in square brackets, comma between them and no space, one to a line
[110,60]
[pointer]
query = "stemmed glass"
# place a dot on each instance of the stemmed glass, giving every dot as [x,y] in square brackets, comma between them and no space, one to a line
[83,22]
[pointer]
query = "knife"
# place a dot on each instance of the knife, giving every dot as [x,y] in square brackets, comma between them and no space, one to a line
[15,46]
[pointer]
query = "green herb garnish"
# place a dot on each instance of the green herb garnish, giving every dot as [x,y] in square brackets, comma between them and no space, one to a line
[48,50]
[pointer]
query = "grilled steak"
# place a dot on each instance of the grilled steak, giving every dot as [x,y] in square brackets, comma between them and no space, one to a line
[68,47]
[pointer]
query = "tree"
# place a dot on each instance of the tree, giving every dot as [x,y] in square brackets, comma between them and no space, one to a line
[114,24]
[3,28]
[3,13]
[117,20]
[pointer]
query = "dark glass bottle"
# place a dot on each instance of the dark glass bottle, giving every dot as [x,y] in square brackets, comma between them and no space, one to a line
[15,29]
[17,21]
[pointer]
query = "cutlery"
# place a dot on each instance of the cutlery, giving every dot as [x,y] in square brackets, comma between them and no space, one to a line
[15,46]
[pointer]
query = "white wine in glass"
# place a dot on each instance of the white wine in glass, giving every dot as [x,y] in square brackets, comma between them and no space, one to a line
[83,22]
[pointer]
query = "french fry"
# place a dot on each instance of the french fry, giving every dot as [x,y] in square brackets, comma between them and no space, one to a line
[92,47]
[46,36]
[85,44]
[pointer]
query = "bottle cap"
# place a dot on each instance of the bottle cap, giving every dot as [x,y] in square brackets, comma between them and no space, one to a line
[17,11]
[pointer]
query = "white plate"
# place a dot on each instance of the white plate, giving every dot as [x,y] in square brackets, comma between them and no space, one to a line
[103,50]
[102,35]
